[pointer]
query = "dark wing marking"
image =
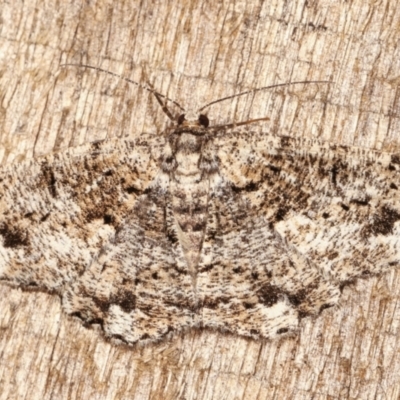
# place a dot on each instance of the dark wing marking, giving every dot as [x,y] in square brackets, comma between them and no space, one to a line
[57,211]
[291,222]
[139,287]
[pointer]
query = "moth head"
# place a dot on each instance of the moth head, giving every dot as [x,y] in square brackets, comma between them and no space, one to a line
[201,121]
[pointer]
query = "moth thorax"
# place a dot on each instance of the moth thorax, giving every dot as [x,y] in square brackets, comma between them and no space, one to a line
[189,143]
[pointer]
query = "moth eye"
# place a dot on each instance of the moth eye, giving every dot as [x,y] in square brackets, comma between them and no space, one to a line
[203,120]
[181,118]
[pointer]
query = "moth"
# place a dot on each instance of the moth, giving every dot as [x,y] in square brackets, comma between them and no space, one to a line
[221,227]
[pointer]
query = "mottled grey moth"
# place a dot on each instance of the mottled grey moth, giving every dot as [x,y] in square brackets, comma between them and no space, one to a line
[224,227]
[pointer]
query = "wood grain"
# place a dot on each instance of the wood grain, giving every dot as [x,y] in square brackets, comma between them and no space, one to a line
[196,52]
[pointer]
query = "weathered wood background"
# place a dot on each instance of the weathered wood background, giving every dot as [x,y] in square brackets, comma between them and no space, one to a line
[197,51]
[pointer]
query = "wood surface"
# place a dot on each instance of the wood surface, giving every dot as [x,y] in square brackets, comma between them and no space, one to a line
[195,52]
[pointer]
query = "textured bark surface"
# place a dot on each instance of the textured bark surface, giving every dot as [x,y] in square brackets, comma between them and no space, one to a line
[196,52]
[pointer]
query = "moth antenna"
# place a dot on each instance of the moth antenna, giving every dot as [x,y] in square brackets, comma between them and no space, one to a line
[257,90]
[157,95]
[235,124]
[164,106]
